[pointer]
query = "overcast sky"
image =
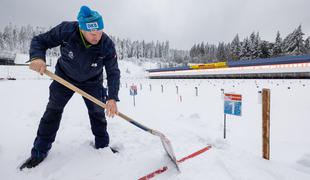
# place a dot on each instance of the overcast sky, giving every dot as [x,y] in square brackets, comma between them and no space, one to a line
[182,22]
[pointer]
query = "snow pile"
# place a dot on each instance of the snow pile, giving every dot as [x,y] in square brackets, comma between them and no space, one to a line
[135,68]
[21,58]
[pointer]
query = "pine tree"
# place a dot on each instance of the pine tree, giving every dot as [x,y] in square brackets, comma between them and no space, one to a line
[220,55]
[134,49]
[15,43]
[1,42]
[144,49]
[162,50]
[166,50]
[245,52]
[307,45]
[258,41]
[235,48]
[265,49]
[157,50]
[294,43]
[254,43]
[140,50]
[7,37]
[22,38]
[124,47]
[228,54]
[152,50]
[277,49]
[117,48]
[128,45]
[202,50]
[192,51]
[213,52]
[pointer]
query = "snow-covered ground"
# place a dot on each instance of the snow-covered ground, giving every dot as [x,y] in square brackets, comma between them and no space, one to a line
[190,125]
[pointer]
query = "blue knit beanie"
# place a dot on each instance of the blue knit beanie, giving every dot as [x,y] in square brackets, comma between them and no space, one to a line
[89,20]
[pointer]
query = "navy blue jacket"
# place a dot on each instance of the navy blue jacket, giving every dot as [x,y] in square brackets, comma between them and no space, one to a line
[78,64]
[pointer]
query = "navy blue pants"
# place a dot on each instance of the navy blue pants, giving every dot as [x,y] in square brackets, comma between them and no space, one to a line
[49,124]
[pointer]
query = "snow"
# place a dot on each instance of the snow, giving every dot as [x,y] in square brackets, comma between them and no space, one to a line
[19,72]
[21,58]
[190,125]
[135,68]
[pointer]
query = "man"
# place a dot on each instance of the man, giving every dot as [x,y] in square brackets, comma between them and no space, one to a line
[85,50]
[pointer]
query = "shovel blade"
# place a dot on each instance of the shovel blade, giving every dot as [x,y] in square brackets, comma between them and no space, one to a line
[169,150]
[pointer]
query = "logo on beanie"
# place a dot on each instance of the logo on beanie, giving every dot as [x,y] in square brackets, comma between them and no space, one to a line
[92,25]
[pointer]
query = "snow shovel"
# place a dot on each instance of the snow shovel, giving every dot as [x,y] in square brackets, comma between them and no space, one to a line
[165,141]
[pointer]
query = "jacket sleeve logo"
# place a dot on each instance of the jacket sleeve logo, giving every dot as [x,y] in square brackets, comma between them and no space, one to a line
[70,54]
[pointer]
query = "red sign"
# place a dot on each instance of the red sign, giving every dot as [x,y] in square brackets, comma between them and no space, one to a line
[232,97]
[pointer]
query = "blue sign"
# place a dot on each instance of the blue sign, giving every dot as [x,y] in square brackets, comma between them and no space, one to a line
[233,104]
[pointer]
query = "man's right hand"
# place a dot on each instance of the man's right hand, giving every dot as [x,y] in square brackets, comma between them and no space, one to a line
[38,65]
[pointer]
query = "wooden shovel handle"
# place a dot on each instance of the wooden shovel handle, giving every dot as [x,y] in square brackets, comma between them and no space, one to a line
[94,100]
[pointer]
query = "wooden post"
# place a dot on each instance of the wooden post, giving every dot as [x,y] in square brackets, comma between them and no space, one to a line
[266,123]
[224,126]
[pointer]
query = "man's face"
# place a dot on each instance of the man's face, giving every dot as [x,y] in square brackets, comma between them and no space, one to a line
[93,37]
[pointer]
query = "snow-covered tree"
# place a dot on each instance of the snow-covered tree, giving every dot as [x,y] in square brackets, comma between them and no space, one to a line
[166,50]
[277,49]
[157,49]
[221,54]
[153,50]
[245,52]
[264,49]
[17,39]
[307,45]
[202,49]
[192,51]
[235,48]
[228,55]
[294,43]
[254,44]
[1,41]
[8,37]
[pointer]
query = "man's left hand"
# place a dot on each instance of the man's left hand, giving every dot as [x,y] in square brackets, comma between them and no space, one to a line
[111,108]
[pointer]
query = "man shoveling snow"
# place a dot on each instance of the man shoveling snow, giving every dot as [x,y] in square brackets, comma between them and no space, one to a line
[85,50]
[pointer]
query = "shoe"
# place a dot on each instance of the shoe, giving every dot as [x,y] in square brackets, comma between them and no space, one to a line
[31,162]
[114,150]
